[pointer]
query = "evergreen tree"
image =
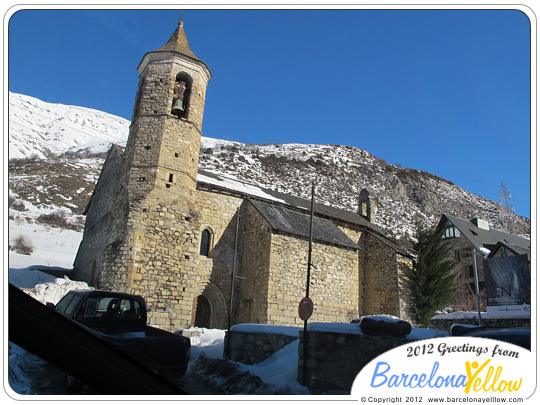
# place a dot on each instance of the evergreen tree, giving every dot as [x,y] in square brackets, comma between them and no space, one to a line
[433,283]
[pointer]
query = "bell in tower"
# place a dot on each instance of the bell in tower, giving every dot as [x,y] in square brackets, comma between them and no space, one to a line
[178,107]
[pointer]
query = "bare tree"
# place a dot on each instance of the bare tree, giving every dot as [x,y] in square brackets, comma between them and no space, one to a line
[506,209]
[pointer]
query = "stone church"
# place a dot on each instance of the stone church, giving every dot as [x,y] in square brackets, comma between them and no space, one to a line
[204,252]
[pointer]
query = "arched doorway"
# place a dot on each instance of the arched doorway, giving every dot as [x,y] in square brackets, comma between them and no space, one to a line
[202,312]
[209,307]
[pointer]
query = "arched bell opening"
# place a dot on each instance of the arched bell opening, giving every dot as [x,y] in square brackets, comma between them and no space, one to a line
[364,205]
[181,95]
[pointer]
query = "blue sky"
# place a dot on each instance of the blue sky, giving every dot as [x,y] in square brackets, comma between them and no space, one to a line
[445,91]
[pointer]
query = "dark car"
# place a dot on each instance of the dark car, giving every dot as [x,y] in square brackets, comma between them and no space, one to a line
[120,319]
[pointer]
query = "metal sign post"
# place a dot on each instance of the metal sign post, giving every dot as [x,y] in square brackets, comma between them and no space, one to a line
[476,283]
[305,309]
[233,275]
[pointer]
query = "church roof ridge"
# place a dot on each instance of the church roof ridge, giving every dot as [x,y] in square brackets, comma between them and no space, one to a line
[218,182]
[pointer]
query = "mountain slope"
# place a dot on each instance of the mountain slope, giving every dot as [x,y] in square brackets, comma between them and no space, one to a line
[44,130]
[402,195]
[56,153]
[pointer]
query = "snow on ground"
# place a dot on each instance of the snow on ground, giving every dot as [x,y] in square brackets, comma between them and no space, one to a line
[42,286]
[19,365]
[209,341]
[515,311]
[255,327]
[53,247]
[280,370]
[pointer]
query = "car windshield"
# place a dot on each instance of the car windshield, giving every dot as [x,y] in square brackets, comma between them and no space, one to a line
[111,307]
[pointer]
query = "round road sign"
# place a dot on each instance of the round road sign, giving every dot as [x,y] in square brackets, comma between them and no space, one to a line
[305,308]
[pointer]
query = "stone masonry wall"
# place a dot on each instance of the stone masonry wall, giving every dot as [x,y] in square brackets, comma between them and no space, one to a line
[168,270]
[334,281]
[446,323]
[335,359]
[382,269]
[274,271]
[212,278]
[252,348]
[381,286]
[404,266]
[255,272]
[89,258]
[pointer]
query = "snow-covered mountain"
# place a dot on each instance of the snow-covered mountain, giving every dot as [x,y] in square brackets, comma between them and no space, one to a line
[56,153]
[403,196]
[44,130]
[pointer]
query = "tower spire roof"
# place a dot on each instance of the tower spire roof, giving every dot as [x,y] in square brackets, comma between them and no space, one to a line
[178,42]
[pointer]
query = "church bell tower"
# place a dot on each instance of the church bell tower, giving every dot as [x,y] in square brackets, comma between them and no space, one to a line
[165,132]
[152,227]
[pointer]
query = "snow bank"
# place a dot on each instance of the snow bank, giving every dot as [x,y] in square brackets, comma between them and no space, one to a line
[351,328]
[209,341]
[486,315]
[44,287]
[53,292]
[28,278]
[20,361]
[280,370]
[270,329]
[52,246]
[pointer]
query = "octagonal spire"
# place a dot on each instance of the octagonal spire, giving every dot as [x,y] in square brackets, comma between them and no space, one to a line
[178,42]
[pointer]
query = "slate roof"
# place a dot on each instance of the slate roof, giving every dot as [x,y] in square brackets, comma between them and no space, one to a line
[178,43]
[518,250]
[222,184]
[297,223]
[240,188]
[484,238]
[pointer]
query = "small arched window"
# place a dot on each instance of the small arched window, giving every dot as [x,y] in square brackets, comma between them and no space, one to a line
[206,240]
[365,204]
